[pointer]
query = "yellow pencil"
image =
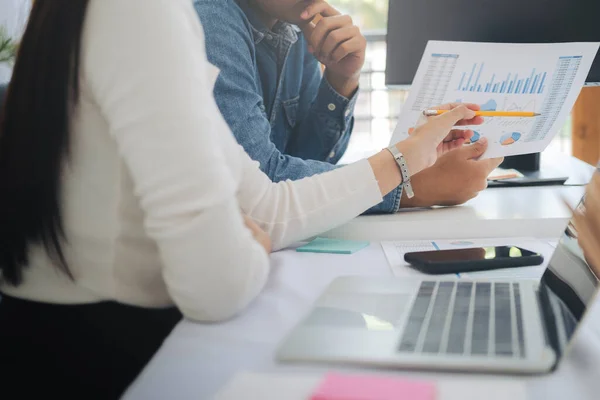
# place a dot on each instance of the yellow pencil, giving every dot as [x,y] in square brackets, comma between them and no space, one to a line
[431,113]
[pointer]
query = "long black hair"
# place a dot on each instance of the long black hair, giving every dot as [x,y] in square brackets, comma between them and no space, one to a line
[34,135]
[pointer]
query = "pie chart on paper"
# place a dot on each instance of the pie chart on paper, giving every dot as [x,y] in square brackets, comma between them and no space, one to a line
[510,138]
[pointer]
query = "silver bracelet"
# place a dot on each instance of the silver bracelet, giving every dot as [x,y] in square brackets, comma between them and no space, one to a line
[399,157]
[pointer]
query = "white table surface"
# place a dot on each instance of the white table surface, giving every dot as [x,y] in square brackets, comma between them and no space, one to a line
[196,360]
[496,212]
[579,172]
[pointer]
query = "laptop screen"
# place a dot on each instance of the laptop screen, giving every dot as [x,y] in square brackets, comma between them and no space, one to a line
[572,283]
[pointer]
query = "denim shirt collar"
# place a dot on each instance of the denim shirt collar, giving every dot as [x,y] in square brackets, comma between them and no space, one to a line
[281,30]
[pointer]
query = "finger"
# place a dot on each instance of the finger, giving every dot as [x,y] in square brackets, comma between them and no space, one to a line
[494,163]
[308,29]
[437,128]
[349,47]
[336,38]
[471,106]
[445,122]
[323,29]
[450,106]
[421,121]
[475,150]
[316,19]
[473,121]
[455,144]
[320,7]
[456,134]
[250,224]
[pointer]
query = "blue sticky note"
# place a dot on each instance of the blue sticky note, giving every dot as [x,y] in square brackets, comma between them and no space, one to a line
[332,246]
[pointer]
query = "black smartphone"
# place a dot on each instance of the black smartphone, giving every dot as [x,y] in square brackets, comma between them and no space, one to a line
[471,260]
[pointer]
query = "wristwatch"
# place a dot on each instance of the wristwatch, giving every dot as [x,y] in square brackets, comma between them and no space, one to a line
[399,157]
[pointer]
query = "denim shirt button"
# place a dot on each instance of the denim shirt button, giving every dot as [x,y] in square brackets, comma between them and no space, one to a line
[331,107]
[332,154]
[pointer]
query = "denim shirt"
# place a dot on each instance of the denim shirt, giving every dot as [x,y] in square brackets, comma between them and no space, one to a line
[274,97]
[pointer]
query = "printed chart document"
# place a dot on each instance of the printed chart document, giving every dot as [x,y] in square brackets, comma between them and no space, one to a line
[540,78]
[394,252]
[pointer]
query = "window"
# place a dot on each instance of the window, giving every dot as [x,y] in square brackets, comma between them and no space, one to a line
[377,107]
[368,14]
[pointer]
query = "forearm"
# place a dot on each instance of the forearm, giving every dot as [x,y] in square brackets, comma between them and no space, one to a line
[295,210]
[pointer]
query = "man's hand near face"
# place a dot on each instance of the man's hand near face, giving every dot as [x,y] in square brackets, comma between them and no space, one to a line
[337,43]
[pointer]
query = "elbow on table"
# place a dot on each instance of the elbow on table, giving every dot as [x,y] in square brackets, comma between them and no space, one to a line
[221,299]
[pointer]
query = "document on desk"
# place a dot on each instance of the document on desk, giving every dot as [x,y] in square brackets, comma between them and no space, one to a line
[540,78]
[394,252]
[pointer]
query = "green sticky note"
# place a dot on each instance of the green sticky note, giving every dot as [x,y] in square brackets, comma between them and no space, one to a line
[332,246]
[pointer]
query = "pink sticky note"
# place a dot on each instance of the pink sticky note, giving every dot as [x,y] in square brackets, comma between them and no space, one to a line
[364,387]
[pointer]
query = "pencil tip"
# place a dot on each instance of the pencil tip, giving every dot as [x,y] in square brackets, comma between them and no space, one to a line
[536,114]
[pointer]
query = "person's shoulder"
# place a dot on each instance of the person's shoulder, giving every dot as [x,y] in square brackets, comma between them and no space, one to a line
[140,10]
[227,11]
[223,22]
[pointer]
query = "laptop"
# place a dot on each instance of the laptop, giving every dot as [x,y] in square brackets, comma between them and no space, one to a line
[501,326]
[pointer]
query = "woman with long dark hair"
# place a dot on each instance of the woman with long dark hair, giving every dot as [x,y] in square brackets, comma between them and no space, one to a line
[125,202]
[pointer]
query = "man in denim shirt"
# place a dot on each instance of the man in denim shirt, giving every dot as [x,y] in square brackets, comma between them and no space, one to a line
[289,116]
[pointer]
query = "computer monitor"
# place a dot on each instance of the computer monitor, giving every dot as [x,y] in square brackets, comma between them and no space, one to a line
[412,23]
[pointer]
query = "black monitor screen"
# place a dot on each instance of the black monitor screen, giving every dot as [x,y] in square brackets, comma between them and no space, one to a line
[412,23]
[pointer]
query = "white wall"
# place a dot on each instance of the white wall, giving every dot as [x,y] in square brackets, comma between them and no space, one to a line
[13,16]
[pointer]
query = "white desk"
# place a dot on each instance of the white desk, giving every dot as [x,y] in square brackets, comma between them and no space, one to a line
[579,172]
[496,212]
[198,360]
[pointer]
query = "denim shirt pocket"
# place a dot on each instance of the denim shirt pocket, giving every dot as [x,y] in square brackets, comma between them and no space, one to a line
[290,108]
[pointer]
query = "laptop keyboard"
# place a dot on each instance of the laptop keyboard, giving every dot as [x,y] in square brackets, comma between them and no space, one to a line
[466,318]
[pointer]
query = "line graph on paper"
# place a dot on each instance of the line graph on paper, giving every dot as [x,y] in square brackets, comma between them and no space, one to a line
[507,104]
[510,105]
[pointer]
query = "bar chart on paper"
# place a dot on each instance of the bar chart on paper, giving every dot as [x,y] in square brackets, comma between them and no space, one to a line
[543,79]
[512,83]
